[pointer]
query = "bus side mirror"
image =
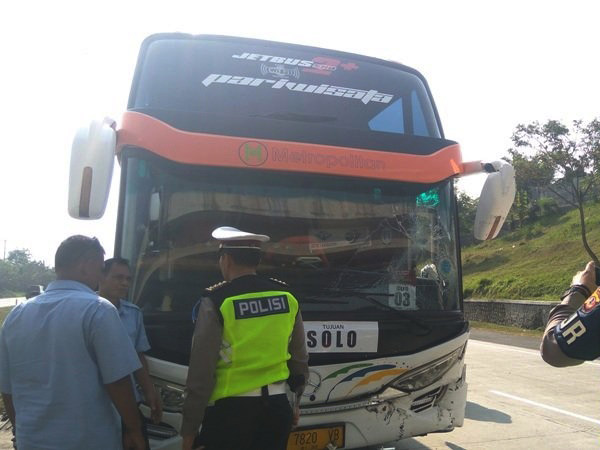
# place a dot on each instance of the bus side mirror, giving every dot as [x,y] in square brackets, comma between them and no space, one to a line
[496,199]
[92,161]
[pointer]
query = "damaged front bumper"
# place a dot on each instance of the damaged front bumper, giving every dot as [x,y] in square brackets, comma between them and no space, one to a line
[394,415]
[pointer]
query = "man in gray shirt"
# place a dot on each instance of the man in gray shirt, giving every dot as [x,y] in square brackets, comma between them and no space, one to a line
[63,364]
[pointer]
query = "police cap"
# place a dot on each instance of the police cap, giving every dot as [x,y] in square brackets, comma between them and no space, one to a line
[233,238]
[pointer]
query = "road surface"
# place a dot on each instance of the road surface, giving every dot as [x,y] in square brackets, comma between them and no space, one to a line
[517,401]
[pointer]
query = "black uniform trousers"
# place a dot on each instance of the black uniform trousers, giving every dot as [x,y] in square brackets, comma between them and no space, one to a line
[247,423]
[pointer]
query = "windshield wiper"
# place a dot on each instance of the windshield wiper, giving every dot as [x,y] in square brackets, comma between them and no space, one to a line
[371,298]
[295,117]
[321,299]
[348,270]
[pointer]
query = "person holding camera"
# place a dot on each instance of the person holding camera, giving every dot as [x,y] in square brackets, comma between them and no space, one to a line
[573,330]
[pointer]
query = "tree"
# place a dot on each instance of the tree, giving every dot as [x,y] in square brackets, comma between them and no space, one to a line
[19,271]
[566,160]
[521,205]
[548,206]
[530,171]
[467,208]
[530,174]
[19,257]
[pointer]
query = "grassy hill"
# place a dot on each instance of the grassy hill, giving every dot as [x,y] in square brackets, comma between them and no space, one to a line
[535,262]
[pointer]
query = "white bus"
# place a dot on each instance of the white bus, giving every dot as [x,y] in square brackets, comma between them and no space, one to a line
[342,160]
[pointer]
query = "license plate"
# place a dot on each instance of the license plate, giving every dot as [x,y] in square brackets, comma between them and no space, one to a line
[317,438]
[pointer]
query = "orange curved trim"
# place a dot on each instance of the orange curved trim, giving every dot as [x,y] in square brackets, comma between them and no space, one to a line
[378,376]
[144,131]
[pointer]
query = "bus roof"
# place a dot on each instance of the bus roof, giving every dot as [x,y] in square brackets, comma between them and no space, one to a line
[306,101]
[240,41]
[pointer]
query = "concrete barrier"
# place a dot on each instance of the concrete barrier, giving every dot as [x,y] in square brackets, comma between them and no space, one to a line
[10,301]
[527,314]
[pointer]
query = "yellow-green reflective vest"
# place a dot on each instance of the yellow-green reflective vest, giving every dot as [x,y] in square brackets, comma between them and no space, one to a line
[256,332]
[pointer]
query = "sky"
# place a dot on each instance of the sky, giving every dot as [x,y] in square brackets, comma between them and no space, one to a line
[490,66]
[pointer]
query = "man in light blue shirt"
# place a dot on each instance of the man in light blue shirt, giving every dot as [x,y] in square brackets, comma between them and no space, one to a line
[114,286]
[63,364]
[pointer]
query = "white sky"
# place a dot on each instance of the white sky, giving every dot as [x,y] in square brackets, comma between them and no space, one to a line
[490,66]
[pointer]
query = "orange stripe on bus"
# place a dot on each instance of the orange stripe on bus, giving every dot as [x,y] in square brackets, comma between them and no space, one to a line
[186,147]
[493,229]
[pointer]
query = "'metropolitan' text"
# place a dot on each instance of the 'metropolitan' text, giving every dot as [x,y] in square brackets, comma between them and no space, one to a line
[329,161]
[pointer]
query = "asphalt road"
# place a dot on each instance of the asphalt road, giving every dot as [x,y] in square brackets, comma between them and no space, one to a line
[517,401]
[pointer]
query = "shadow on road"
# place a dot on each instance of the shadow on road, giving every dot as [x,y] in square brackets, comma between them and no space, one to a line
[454,446]
[483,414]
[406,444]
[413,444]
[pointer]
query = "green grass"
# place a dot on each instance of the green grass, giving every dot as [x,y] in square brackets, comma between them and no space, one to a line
[506,329]
[3,313]
[535,262]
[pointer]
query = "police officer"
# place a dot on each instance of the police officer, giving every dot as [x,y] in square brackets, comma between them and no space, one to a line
[573,330]
[248,341]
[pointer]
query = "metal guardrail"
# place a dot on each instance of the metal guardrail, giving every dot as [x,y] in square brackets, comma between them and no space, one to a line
[10,301]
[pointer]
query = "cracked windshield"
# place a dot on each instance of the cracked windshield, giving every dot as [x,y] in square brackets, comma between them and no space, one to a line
[348,245]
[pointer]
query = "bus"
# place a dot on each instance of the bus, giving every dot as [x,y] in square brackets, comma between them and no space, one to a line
[341,159]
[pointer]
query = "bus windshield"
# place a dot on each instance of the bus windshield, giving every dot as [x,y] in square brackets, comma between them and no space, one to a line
[342,244]
[263,89]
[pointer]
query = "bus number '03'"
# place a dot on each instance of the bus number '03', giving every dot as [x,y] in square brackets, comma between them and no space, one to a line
[402,299]
[331,339]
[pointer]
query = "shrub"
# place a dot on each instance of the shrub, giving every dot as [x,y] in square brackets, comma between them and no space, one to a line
[533,231]
[548,206]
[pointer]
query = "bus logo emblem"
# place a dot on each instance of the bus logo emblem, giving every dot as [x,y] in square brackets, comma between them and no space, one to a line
[279,71]
[253,153]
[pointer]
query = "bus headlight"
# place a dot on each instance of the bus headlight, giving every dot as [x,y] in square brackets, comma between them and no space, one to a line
[172,396]
[428,374]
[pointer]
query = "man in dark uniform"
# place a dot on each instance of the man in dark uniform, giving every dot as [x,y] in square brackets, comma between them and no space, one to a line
[114,287]
[248,341]
[573,331]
